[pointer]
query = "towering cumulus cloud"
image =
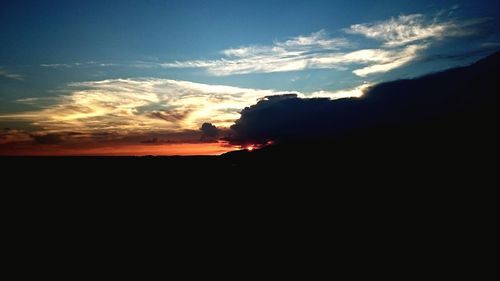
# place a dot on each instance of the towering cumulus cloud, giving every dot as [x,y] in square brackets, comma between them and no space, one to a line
[209,132]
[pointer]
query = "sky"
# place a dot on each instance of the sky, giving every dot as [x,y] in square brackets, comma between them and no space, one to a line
[142,77]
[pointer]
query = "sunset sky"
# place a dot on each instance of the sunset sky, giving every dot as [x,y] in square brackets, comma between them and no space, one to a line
[141,77]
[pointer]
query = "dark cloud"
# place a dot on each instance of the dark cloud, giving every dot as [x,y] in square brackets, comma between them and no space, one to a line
[209,132]
[104,135]
[47,139]
[173,115]
[159,137]
[150,141]
[468,92]
[74,134]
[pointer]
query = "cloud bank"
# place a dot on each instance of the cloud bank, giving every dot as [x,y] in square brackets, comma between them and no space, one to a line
[116,108]
[464,96]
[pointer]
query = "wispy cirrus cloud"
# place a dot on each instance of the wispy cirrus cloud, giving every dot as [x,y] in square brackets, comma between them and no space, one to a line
[401,38]
[391,60]
[76,64]
[377,60]
[293,54]
[404,29]
[10,75]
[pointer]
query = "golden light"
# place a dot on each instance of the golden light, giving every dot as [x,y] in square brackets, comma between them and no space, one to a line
[179,149]
[250,147]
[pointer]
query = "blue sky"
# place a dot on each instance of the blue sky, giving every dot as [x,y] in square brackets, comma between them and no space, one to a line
[73,64]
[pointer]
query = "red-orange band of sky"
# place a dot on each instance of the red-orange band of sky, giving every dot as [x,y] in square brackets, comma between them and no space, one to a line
[183,149]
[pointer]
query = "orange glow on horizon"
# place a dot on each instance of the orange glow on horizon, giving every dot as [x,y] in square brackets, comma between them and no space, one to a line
[175,149]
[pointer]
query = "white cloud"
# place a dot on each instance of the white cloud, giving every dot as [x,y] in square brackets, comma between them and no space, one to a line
[10,75]
[135,106]
[490,45]
[56,65]
[402,30]
[293,46]
[402,39]
[288,62]
[317,39]
[355,92]
[290,55]
[397,59]
[378,60]
[77,64]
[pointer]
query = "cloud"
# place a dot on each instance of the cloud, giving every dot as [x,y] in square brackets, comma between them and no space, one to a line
[289,55]
[150,141]
[462,95]
[171,115]
[56,65]
[13,136]
[378,60]
[402,39]
[7,74]
[288,61]
[286,118]
[76,64]
[490,45]
[135,106]
[8,135]
[209,132]
[403,30]
[355,92]
[398,59]
[47,139]
[117,108]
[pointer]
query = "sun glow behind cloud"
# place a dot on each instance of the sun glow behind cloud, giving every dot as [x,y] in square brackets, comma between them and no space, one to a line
[138,113]
[123,107]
